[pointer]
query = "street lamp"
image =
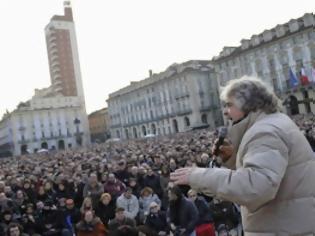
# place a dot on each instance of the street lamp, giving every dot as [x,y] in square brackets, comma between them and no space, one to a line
[78,136]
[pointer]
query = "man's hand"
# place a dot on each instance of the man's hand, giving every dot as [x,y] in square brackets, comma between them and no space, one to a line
[180,176]
[225,150]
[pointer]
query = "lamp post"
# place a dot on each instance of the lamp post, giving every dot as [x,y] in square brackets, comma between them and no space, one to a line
[78,136]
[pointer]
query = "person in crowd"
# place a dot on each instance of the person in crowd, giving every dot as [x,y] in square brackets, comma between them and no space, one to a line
[41,194]
[69,217]
[183,213]
[62,190]
[309,134]
[106,208]
[6,220]
[114,186]
[156,220]
[28,220]
[28,190]
[134,186]
[120,220]
[152,180]
[5,202]
[272,164]
[147,196]
[205,223]
[91,225]
[122,172]
[86,205]
[15,229]
[129,202]
[93,189]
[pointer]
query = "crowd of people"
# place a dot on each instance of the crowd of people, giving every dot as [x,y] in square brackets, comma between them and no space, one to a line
[116,188]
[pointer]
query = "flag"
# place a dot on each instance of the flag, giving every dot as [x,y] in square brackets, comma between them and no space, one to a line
[304,79]
[293,80]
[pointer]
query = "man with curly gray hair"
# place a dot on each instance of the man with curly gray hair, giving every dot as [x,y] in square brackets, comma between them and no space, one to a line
[271,165]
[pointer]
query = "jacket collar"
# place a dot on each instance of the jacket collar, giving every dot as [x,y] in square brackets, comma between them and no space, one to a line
[238,129]
[236,133]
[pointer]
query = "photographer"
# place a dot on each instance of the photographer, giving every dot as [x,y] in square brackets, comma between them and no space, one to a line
[274,174]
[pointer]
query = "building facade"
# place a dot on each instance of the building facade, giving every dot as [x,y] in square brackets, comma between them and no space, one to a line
[55,117]
[99,125]
[279,57]
[183,97]
[50,123]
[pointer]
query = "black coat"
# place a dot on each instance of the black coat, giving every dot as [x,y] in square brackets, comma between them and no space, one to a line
[184,214]
[106,212]
[157,222]
[205,215]
[153,182]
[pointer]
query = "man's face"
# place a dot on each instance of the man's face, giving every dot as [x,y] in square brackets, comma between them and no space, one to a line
[231,111]
[7,217]
[150,172]
[128,194]
[88,216]
[172,196]
[154,209]
[120,215]
[15,231]
[70,206]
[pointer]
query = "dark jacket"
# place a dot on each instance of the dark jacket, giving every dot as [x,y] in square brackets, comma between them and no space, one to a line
[114,224]
[184,214]
[153,182]
[106,212]
[157,222]
[205,215]
[95,228]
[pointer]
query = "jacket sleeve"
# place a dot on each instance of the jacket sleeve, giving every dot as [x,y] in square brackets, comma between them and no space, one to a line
[265,161]
[193,213]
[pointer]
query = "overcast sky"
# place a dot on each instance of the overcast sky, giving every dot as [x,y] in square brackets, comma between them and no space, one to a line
[120,41]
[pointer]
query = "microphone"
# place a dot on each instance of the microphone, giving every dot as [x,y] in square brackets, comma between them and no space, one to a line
[222,134]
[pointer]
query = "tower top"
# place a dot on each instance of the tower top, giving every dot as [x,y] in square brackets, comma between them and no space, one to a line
[67,3]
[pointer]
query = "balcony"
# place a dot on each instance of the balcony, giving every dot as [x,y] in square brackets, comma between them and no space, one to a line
[58,89]
[22,128]
[57,82]
[55,64]
[208,108]
[183,112]
[52,45]
[23,141]
[52,38]
[57,75]
[53,51]
[54,57]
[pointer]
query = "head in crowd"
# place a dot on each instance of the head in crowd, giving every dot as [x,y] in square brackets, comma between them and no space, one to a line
[120,213]
[146,192]
[88,216]
[111,178]
[69,204]
[154,207]
[14,229]
[105,198]
[175,193]
[128,193]
[192,194]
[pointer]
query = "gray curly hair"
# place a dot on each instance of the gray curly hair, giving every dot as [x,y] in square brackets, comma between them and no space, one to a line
[251,94]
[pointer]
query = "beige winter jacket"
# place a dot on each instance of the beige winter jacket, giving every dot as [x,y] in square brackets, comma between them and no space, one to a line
[274,180]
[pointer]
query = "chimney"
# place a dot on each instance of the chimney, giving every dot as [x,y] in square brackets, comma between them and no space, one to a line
[150,73]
